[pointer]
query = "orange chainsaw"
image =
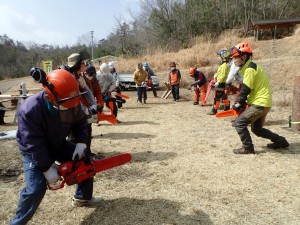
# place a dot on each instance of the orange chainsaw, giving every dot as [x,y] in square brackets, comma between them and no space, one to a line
[74,172]
[230,112]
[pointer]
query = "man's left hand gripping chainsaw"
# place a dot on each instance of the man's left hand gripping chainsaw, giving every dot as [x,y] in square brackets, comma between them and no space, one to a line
[74,172]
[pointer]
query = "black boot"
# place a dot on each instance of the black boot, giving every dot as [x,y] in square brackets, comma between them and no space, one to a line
[213,111]
[280,143]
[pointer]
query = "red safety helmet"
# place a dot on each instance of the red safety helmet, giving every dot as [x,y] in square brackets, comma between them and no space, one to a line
[241,48]
[192,70]
[62,88]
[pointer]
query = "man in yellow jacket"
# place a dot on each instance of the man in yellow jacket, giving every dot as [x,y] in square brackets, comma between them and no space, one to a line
[255,93]
[140,78]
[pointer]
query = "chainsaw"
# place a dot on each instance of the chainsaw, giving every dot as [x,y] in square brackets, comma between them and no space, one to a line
[74,172]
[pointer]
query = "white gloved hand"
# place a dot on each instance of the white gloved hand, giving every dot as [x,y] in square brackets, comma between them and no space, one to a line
[52,175]
[216,84]
[113,94]
[79,150]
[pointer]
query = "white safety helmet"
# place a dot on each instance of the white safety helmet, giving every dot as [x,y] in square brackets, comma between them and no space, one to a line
[111,65]
[104,69]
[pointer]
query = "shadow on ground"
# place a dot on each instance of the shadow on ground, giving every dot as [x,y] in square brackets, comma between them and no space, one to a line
[130,211]
[294,148]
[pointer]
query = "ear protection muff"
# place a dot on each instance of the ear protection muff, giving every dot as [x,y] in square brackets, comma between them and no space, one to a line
[39,76]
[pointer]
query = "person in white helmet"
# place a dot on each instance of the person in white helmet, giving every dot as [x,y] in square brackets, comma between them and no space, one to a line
[107,87]
[116,81]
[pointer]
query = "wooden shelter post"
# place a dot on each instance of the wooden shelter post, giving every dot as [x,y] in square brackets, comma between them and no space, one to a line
[295,118]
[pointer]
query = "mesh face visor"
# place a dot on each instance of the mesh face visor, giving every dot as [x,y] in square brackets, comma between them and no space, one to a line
[235,52]
[71,115]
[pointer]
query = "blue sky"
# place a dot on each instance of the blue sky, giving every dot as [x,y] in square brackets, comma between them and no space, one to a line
[61,22]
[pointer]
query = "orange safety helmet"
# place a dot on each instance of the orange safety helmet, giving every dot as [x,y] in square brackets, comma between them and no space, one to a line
[62,88]
[241,48]
[192,70]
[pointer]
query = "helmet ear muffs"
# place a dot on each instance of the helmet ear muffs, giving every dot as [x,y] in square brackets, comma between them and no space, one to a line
[39,76]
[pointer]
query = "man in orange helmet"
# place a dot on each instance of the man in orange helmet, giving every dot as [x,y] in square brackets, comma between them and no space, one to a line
[174,80]
[256,93]
[200,85]
[44,122]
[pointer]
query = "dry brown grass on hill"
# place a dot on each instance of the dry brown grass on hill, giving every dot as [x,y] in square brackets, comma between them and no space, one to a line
[267,53]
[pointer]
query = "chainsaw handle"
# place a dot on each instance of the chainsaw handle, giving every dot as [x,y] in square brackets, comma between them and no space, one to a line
[57,185]
[87,159]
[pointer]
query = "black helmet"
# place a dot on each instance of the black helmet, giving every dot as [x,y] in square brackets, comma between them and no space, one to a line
[63,67]
[91,71]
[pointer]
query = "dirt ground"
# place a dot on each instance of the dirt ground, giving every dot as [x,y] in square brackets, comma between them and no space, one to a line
[183,171]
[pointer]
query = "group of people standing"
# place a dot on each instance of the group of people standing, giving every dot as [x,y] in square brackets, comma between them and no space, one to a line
[53,125]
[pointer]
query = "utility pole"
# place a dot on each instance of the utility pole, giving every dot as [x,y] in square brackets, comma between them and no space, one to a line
[92,33]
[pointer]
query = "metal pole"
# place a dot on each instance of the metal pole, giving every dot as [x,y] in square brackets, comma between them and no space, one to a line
[92,33]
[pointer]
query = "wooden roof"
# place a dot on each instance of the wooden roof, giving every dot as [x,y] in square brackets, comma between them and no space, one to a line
[263,24]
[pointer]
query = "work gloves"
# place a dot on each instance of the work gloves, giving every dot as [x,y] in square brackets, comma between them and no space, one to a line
[79,150]
[238,107]
[52,175]
[113,94]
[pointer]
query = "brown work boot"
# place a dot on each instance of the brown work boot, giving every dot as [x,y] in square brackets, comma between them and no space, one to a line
[244,150]
[280,143]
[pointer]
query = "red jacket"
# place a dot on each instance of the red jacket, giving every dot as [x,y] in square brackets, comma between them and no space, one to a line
[94,86]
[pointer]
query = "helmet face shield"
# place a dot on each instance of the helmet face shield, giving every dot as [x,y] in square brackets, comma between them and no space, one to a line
[235,52]
[71,115]
[238,61]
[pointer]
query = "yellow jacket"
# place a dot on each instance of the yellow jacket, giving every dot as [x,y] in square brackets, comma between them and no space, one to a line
[140,76]
[258,82]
